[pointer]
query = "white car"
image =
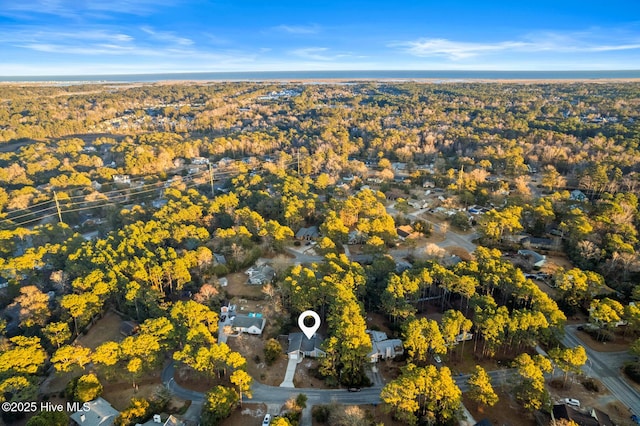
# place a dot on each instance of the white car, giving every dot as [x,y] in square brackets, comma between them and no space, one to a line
[267,420]
[572,401]
[437,359]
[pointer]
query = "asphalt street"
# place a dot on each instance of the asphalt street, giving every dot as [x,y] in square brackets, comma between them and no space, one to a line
[605,366]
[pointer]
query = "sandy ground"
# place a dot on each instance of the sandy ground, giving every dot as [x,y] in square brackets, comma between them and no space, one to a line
[252,346]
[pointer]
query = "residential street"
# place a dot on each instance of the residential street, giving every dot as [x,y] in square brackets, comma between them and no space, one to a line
[605,366]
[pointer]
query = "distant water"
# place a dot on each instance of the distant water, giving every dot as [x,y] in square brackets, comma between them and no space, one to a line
[445,76]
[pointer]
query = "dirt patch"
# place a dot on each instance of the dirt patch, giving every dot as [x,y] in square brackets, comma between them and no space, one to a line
[575,389]
[390,370]
[238,287]
[618,344]
[105,329]
[374,412]
[378,322]
[191,379]
[619,414]
[556,261]
[247,415]
[252,348]
[460,252]
[305,375]
[119,394]
[507,412]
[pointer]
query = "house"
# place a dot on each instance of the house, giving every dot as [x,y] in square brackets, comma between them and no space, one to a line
[310,233]
[300,346]
[199,160]
[383,347]
[357,237]
[577,195]
[219,259]
[418,204]
[223,282]
[122,179]
[251,324]
[402,265]
[594,417]
[394,194]
[406,232]
[129,328]
[537,259]
[539,243]
[100,413]
[262,274]
[157,420]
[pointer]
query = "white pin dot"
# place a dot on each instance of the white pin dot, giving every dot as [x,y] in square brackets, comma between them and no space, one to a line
[309,331]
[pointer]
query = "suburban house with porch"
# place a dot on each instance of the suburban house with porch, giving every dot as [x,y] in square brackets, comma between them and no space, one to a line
[250,324]
[309,234]
[300,346]
[383,347]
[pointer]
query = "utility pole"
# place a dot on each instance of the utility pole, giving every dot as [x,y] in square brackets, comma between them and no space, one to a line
[211,179]
[55,197]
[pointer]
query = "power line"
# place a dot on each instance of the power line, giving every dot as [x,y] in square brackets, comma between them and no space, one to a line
[112,202]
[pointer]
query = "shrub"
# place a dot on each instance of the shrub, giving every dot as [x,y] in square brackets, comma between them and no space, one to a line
[591,385]
[272,350]
[321,413]
[633,371]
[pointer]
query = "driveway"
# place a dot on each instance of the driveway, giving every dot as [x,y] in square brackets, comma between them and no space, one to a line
[291,372]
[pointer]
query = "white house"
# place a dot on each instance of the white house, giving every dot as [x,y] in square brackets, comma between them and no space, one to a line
[199,160]
[250,324]
[382,347]
[100,413]
[122,179]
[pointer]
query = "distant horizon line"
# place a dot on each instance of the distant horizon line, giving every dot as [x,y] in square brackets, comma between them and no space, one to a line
[366,74]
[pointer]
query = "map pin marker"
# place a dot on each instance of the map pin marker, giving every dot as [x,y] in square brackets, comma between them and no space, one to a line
[309,331]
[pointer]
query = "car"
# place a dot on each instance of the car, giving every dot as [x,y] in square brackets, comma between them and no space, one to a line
[354,390]
[572,401]
[580,328]
[223,318]
[437,359]
[267,420]
[635,419]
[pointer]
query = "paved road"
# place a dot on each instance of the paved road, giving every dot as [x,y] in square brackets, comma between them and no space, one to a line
[277,395]
[605,366]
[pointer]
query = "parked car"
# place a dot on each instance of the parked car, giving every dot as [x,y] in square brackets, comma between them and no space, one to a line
[437,359]
[635,419]
[354,389]
[267,420]
[572,401]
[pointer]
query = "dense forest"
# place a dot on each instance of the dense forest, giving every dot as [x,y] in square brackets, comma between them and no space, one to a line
[125,196]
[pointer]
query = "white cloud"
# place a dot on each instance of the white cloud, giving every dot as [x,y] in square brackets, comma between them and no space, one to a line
[298,29]
[316,54]
[166,36]
[577,42]
[75,9]
[454,49]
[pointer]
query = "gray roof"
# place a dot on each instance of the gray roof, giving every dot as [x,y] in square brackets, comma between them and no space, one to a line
[245,321]
[537,257]
[310,232]
[299,342]
[100,413]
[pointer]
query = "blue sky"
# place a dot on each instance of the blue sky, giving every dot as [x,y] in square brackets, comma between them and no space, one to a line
[57,37]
